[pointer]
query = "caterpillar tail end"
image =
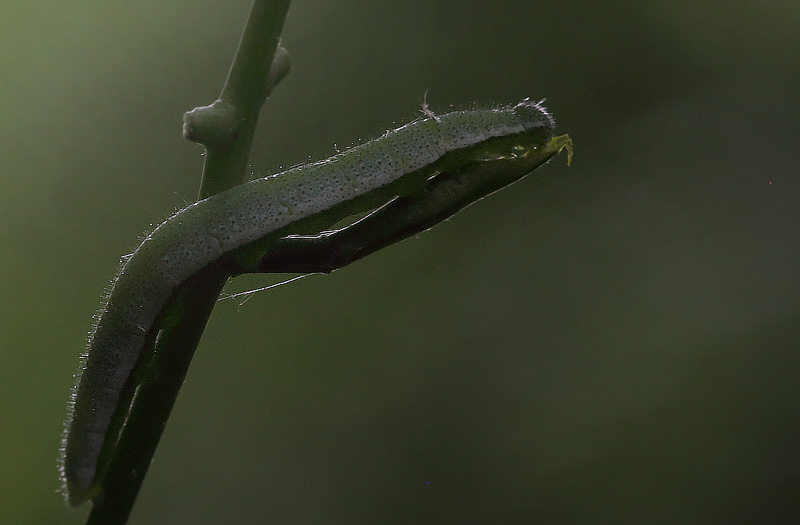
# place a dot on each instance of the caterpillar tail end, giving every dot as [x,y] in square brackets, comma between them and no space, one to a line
[80,487]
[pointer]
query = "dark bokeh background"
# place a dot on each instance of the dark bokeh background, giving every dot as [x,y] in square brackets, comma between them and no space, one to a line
[613,342]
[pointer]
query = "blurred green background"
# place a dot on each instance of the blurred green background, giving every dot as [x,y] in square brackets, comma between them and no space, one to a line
[613,342]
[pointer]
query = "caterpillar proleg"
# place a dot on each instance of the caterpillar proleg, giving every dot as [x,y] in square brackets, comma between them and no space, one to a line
[300,201]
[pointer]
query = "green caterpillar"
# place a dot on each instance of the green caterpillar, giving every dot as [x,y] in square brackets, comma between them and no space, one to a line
[299,201]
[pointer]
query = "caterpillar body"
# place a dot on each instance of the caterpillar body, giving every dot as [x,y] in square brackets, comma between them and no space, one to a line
[301,200]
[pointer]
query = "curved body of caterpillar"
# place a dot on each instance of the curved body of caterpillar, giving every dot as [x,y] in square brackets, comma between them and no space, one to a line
[300,200]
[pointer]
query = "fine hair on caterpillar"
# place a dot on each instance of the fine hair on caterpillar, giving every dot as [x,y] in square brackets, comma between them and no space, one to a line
[303,200]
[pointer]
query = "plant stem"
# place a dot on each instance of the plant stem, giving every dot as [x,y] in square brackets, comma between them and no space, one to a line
[403,217]
[154,399]
[226,128]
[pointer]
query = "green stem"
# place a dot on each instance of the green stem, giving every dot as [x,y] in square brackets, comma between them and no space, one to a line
[226,128]
[155,398]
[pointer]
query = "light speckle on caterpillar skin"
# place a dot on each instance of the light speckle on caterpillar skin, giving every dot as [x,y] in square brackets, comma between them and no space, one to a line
[399,161]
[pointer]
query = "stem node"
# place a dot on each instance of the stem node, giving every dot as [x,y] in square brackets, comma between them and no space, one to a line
[212,125]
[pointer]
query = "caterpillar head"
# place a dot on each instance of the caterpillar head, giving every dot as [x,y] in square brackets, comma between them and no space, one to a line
[533,115]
